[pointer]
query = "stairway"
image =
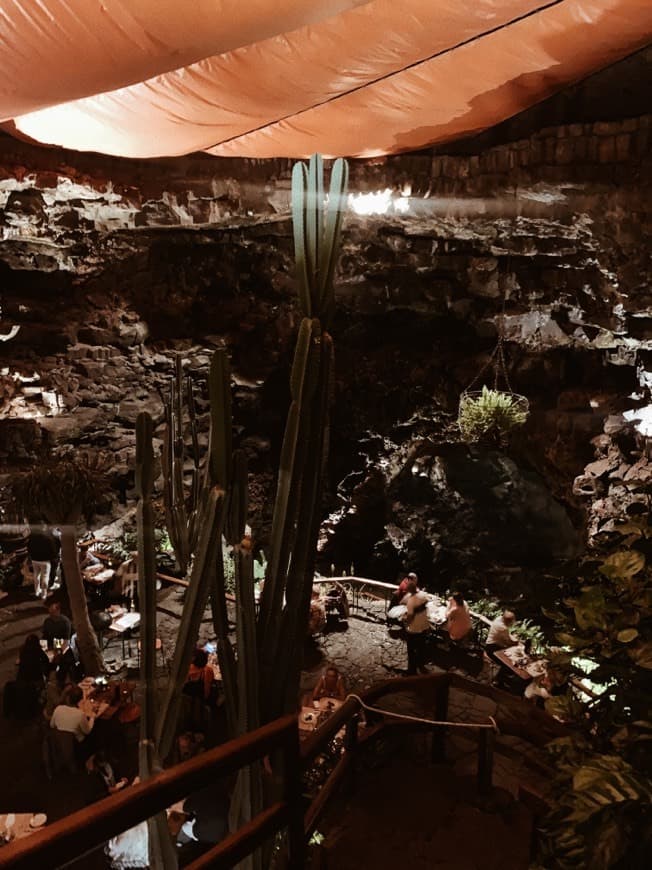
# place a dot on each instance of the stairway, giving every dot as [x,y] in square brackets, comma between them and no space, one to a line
[407,813]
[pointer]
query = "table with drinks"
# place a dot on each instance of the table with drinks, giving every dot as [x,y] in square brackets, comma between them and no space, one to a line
[521,662]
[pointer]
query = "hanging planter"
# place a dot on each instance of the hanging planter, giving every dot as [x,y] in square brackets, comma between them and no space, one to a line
[490,414]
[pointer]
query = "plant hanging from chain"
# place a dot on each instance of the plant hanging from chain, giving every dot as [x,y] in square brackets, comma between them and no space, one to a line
[489,414]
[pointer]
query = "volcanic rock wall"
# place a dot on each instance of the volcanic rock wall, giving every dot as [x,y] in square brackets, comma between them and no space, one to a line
[112,267]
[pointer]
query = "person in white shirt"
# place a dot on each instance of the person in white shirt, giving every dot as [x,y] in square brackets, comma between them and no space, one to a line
[70,717]
[416,626]
[499,636]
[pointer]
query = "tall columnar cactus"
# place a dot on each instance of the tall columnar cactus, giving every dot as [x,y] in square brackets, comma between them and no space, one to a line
[295,524]
[162,855]
[181,509]
[208,553]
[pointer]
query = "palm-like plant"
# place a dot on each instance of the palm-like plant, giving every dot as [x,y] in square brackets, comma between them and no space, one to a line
[62,492]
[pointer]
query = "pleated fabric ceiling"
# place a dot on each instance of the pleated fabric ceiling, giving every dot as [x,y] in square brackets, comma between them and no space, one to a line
[274,78]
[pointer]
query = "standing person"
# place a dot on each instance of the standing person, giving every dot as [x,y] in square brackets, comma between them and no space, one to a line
[56,625]
[416,626]
[43,549]
[458,618]
[33,663]
[401,592]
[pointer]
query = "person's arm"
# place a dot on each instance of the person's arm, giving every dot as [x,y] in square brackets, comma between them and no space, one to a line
[341,691]
[317,691]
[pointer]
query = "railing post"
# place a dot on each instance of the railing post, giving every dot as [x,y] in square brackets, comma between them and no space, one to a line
[485,759]
[292,793]
[439,732]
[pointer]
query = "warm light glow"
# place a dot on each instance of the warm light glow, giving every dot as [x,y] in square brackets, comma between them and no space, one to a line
[379,202]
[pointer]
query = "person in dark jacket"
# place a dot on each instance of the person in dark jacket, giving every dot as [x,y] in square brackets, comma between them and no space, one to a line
[208,811]
[43,548]
[33,663]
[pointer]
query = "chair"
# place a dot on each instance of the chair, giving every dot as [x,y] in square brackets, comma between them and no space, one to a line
[59,754]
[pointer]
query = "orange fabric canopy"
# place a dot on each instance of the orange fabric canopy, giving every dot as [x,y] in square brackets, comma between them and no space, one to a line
[269,78]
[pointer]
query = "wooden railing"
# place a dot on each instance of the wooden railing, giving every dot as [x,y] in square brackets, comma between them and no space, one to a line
[79,833]
[85,830]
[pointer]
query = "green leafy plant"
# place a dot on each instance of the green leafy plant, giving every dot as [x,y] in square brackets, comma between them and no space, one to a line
[490,414]
[602,817]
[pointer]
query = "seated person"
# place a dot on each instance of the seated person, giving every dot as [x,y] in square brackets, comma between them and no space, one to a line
[317,620]
[336,601]
[88,562]
[200,679]
[69,716]
[458,618]
[330,685]
[101,780]
[208,812]
[68,663]
[499,636]
[56,625]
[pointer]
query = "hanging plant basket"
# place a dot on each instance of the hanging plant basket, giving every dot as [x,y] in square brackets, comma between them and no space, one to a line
[490,414]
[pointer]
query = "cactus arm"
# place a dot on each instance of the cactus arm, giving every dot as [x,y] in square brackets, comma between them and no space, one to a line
[219,390]
[203,571]
[299,184]
[314,226]
[332,234]
[162,855]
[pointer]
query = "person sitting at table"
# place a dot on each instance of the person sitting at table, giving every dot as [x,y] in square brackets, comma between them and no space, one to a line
[68,663]
[330,685]
[88,562]
[56,625]
[208,813]
[458,618]
[200,679]
[101,781]
[69,716]
[499,638]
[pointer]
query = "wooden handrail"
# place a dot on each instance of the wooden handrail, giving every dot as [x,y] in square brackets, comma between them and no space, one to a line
[84,830]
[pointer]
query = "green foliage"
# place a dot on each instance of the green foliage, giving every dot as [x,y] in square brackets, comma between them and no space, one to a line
[490,414]
[602,817]
[62,490]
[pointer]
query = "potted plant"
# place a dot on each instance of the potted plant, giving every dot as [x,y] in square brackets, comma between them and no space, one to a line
[490,414]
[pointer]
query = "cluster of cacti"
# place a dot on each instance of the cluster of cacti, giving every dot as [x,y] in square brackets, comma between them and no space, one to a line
[261,675]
